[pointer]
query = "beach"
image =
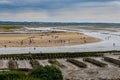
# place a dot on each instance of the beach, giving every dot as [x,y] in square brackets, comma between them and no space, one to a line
[45,39]
[99,40]
[23,47]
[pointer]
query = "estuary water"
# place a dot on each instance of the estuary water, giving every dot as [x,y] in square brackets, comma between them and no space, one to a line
[110,41]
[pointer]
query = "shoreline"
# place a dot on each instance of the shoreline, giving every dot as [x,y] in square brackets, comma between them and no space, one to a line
[104,45]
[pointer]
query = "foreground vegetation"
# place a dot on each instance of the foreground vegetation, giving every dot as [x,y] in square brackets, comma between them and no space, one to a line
[40,73]
[47,73]
[11,75]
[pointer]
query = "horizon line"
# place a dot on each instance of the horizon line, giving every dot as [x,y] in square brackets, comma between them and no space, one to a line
[57,22]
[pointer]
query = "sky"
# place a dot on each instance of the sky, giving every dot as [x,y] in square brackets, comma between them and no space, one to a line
[60,10]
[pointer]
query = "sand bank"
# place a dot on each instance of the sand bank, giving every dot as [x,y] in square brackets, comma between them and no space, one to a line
[47,39]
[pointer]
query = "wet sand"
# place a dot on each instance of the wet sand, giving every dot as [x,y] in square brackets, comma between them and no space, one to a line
[47,39]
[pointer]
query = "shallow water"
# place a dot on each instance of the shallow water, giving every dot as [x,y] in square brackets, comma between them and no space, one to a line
[104,45]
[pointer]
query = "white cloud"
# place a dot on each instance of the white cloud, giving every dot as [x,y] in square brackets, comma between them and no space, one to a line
[24,16]
[5,2]
[82,12]
[115,3]
[90,12]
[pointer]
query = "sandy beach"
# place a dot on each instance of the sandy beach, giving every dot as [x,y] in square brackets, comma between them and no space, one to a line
[46,39]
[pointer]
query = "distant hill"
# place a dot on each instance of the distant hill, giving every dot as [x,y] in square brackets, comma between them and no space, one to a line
[61,24]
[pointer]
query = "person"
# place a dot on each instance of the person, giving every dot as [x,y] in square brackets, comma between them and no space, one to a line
[22,42]
[5,46]
[29,52]
[113,44]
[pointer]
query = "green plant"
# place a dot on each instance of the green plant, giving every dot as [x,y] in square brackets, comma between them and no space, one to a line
[47,73]
[11,75]
[28,78]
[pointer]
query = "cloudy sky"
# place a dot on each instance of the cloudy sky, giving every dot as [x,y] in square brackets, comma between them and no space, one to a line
[60,10]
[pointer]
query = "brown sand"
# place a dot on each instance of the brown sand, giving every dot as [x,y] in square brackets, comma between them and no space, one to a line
[45,39]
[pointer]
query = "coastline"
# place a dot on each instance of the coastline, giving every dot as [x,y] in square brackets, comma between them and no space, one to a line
[104,45]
